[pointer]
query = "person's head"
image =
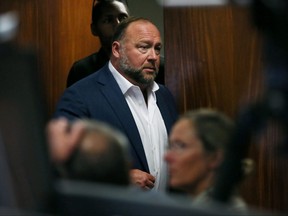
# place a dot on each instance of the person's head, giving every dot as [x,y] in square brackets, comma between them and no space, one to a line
[136,50]
[102,155]
[106,15]
[197,144]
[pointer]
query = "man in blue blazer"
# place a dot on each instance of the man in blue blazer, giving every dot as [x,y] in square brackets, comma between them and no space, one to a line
[123,94]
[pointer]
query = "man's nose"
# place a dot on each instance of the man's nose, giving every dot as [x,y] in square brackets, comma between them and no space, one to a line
[153,54]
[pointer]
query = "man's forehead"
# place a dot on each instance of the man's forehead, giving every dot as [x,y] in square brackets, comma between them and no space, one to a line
[143,28]
[142,34]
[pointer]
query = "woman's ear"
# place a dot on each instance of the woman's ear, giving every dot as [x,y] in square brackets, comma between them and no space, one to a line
[216,159]
[94,29]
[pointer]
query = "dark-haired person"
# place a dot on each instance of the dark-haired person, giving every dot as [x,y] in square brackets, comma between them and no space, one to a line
[124,94]
[106,15]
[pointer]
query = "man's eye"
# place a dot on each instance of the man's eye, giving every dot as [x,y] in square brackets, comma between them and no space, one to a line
[143,49]
[158,50]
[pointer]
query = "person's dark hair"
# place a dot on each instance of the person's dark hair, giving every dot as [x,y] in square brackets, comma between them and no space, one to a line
[121,28]
[214,128]
[99,5]
[109,165]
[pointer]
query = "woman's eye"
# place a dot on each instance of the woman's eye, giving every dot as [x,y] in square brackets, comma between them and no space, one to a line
[177,146]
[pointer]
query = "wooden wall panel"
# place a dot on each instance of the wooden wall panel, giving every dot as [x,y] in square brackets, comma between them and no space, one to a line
[59,30]
[213,58]
[73,40]
[210,56]
[266,187]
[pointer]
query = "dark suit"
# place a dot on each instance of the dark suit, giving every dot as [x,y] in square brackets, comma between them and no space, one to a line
[94,62]
[99,97]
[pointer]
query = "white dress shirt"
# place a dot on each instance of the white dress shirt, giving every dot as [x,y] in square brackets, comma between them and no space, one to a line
[150,125]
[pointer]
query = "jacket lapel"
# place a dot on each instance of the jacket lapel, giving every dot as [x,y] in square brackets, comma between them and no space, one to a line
[114,96]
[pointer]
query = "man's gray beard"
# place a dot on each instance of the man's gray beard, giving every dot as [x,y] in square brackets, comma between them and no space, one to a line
[135,73]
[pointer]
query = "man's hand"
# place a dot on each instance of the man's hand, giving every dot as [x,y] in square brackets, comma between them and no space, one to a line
[63,138]
[142,179]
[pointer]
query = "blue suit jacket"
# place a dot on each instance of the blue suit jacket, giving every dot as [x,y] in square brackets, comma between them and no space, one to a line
[99,97]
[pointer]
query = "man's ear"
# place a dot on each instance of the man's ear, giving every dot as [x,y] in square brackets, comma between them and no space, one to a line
[116,49]
[94,30]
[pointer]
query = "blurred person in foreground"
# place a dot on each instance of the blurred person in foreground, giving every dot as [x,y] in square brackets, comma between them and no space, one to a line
[89,150]
[198,141]
[93,159]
